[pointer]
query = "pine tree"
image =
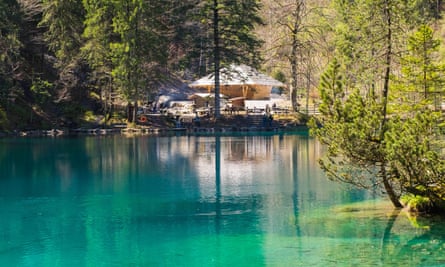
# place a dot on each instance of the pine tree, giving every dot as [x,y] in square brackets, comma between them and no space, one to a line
[369,144]
[350,129]
[10,58]
[62,21]
[421,76]
[357,123]
[229,25]
[10,46]
[124,50]
[126,42]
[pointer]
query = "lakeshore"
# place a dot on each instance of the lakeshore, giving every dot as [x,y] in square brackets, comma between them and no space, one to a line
[161,125]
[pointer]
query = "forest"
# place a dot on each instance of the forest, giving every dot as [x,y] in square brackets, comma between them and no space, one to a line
[65,62]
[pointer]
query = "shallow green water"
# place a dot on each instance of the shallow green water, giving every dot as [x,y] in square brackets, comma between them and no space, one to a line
[195,201]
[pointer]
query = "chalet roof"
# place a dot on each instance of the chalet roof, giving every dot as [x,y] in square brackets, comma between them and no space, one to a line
[205,95]
[175,88]
[238,75]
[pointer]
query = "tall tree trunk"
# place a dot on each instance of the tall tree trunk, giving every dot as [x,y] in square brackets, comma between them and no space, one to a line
[387,66]
[216,56]
[294,53]
[294,68]
[388,188]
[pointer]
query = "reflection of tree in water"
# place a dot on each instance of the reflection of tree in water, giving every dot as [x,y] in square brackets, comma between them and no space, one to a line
[237,149]
[218,183]
[426,247]
[250,148]
[401,243]
[33,166]
[295,196]
[225,208]
[351,233]
[386,239]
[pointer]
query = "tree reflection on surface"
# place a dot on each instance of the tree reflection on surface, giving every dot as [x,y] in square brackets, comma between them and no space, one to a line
[195,201]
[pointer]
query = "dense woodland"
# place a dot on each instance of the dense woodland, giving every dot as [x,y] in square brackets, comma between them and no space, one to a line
[64,61]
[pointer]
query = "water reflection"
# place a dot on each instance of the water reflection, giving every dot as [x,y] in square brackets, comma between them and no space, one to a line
[194,201]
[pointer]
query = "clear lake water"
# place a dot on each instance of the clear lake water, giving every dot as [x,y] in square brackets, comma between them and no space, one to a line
[233,200]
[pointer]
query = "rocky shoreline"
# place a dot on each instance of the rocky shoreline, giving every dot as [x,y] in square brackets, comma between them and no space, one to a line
[238,124]
[145,131]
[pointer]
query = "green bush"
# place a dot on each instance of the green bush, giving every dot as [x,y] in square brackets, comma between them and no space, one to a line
[89,116]
[416,203]
[279,76]
[41,90]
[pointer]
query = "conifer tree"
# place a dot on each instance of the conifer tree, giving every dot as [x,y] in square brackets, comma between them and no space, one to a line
[10,46]
[124,51]
[369,144]
[229,25]
[421,79]
[62,21]
[97,36]
[125,42]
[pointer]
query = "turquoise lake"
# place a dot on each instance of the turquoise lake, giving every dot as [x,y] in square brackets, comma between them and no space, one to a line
[235,200]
